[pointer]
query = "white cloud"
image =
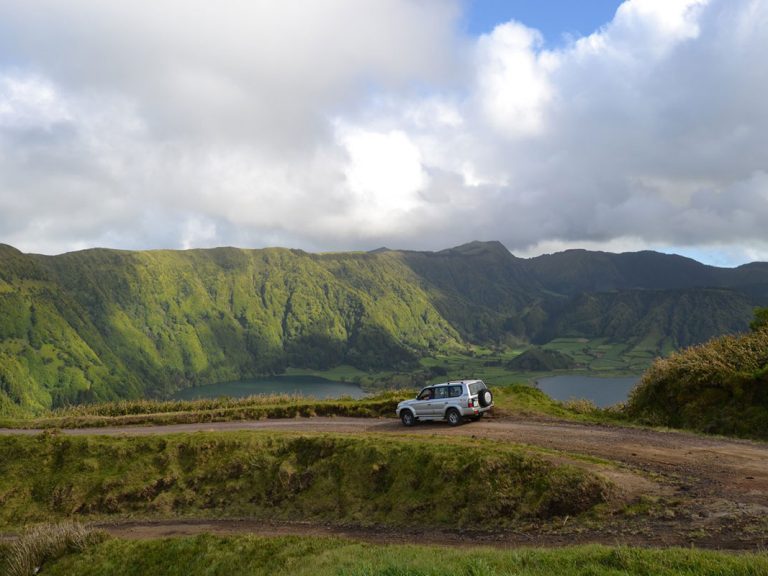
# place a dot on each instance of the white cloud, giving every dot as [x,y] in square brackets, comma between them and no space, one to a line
[655,26]
[513,79]
[197,232]
[384,174]
[341,124]
[28,103]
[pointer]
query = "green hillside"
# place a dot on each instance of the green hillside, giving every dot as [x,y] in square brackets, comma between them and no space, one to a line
[658,320]
[106,324]
[103,324]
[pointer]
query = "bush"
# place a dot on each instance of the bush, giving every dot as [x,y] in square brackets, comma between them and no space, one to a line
[760,321]
[718,387]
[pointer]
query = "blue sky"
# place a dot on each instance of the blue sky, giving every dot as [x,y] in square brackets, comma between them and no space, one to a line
[553,18]
[352,124]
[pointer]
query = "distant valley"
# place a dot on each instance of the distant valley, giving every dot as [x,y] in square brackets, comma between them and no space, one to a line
[108,324]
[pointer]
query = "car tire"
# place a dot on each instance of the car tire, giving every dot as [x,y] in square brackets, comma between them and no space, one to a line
[407,418]
[485,398]
[453,416]
[476,418]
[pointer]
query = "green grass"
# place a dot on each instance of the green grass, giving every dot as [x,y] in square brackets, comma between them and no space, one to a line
[524,400]
[250,555]
[137,412]
[513,399]
[371,480]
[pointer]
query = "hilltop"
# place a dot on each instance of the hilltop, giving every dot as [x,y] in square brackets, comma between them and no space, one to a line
[105,324]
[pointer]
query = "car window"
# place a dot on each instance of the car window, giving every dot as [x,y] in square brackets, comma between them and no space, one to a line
[426,394]
[476,387]
[454,391]
[441,392]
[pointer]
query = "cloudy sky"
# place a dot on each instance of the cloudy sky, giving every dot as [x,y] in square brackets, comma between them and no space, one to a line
[352,124]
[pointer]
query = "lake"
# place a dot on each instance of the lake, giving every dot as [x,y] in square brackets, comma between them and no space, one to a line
[602,391]
[300,385]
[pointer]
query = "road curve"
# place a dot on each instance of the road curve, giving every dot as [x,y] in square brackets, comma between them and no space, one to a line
[735,466]
[714,487]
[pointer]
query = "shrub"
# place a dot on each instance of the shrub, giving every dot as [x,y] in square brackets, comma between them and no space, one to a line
[581,406]
[718,387]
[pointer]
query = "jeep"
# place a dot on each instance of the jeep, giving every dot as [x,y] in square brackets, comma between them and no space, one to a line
[452,401]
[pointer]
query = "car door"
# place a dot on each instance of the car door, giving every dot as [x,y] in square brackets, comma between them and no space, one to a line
[423,404]
[455,394]
[440,402]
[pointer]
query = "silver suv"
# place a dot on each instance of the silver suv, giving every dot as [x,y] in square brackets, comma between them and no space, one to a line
[452,401]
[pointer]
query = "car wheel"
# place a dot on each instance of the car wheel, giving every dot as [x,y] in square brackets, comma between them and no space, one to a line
[476,418]
[407,418]
[453,417]
[485,398]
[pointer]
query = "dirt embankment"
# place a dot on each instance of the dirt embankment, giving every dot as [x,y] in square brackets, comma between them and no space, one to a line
[676,488]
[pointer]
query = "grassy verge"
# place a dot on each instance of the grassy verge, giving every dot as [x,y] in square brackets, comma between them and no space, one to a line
[139,412]
[381,481]
[515,399]
[526,401]
[232,556]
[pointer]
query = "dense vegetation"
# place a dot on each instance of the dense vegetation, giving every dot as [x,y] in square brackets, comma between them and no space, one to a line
[255,556]
[102,325]
[541,360]
[718,387]
[364,481]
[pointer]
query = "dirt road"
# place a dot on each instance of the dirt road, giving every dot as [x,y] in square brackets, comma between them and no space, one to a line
[677,488]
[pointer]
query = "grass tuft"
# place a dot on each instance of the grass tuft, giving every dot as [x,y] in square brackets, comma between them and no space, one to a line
[45,543]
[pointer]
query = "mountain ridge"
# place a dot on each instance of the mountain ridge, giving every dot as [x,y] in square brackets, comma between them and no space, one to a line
[102,324]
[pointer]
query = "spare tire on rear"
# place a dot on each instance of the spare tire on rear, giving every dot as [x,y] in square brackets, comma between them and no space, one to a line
[485,398]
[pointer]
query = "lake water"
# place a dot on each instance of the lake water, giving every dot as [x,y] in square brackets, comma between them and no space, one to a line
[301,385]
[602,391]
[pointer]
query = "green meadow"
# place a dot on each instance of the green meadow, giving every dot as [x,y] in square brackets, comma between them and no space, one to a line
[312,556]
